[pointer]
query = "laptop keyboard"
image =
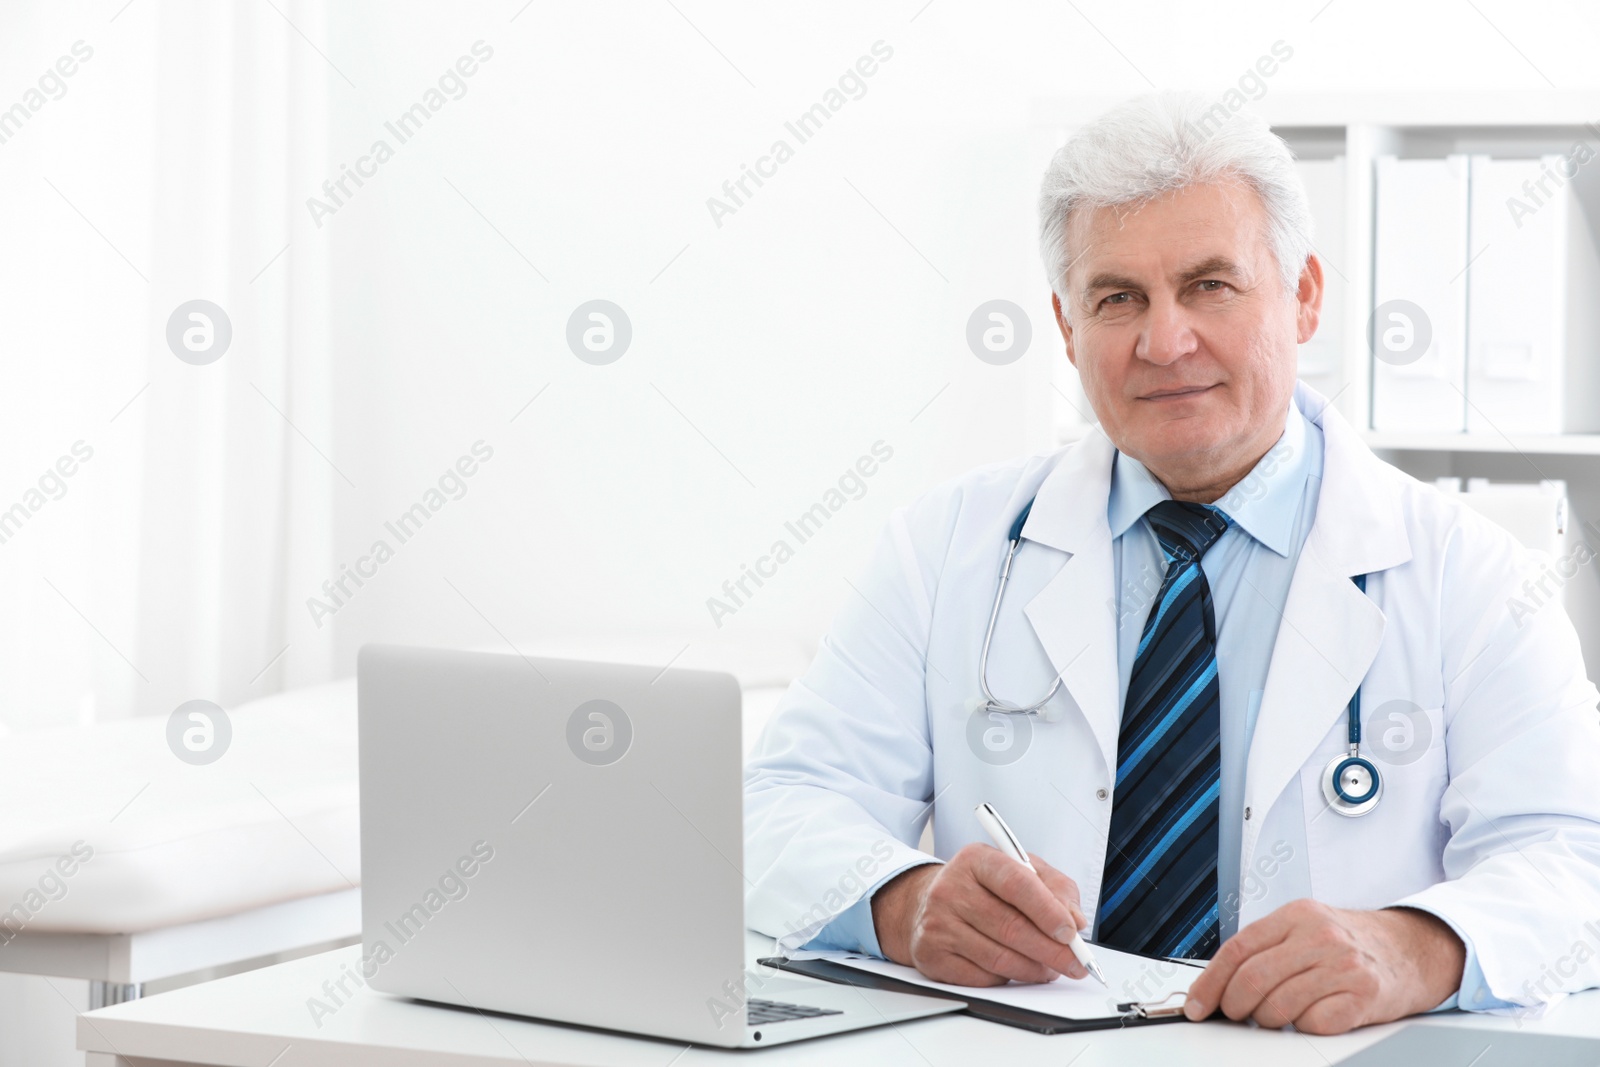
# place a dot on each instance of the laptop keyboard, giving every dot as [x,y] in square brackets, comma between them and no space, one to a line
[759,1012]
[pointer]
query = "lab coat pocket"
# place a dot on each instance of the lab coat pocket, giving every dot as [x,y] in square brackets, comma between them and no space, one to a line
[1396,848]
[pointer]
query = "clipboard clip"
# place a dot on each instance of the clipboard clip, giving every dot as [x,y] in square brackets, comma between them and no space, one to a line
[1153,1009]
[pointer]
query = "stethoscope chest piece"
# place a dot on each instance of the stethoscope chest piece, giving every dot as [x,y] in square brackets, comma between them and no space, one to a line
[1351,785]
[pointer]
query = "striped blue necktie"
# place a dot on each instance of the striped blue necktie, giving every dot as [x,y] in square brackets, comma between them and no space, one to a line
[1159,896]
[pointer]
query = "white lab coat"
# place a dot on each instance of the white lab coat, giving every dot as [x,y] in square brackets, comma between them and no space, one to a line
[1491,819]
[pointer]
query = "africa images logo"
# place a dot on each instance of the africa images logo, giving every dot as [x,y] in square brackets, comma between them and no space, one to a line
[599,732]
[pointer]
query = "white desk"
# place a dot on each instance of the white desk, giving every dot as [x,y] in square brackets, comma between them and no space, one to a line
[261,1018]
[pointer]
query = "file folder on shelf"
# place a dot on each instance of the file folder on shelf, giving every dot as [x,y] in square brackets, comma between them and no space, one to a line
[1535,513]
[1533,359]
[1322,357]
[1420,295]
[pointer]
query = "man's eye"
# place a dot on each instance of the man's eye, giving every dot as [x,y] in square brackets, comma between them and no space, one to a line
[1212,281]
[1117,298]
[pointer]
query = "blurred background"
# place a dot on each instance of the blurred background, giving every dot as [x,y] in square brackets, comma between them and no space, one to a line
[376,340]
[537,326]
[383,325]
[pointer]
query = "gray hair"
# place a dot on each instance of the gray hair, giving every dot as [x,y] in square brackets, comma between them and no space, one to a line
[1163,142]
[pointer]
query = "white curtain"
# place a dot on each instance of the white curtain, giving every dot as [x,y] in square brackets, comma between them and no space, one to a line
[157,572]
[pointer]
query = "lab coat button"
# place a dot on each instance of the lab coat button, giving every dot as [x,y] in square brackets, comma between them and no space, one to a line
[1100,794]
[1246,814]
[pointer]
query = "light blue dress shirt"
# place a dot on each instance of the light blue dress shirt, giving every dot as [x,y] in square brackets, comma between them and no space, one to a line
[1249,570]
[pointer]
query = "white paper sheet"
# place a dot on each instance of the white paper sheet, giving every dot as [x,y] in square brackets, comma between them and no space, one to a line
[1128,977]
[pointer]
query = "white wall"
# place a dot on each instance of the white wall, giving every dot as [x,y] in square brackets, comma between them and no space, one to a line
[793,337]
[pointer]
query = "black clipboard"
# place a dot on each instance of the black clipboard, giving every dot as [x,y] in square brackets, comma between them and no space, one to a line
[1134,1013]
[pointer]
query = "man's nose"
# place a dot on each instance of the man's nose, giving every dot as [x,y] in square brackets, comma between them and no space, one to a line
[1167,334]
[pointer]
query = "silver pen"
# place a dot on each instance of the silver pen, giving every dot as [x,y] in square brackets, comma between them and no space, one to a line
[1007,842]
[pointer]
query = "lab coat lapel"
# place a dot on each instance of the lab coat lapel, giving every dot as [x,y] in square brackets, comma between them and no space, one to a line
[1330,631]
[1074,615]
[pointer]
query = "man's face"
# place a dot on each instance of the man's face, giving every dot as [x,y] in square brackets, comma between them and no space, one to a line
[1180,329]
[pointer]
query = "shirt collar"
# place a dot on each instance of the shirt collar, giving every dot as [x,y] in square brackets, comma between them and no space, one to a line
[1264,503]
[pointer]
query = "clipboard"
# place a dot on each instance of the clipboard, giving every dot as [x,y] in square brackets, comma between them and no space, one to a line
[1131,1013]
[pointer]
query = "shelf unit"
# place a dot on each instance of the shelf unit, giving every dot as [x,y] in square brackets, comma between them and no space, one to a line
[1549,444]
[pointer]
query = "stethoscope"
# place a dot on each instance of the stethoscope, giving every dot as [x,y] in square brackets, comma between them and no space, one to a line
[1351,783]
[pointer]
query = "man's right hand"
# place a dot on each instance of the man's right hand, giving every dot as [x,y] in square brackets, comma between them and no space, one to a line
[981,919]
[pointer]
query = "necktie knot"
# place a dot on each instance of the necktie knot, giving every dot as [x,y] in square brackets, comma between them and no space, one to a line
[1187,531]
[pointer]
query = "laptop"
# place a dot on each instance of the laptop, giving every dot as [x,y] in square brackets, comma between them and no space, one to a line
[564,840]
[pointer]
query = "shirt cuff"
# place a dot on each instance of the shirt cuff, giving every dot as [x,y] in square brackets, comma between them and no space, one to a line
[852,930]
[1473,993]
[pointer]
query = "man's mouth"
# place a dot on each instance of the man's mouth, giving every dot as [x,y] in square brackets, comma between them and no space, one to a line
[1178,393]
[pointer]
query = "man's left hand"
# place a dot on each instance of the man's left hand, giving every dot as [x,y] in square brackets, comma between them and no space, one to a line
[1329,970]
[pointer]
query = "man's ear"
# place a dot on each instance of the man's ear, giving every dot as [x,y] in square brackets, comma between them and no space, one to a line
[1066,329]
[1309,298]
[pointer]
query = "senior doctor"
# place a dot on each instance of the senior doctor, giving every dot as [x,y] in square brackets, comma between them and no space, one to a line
[1201,587]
